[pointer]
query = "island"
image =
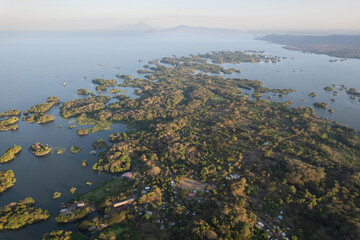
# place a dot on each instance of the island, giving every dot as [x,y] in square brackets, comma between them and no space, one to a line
[39,118]
[43,107]
[103,84]
[85,105]
[19,214]
[57,195]
[7,180]
[58,235]
[83,91]
[64,235]
[82,132]
[100,143]
[11,113]
[10,154]
[40,150]
[321,105]
[75,149]
[9,124]
[328,88]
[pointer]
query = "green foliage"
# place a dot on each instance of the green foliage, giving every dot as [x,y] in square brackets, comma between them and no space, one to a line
[83,91]
[154,197]
[84,105]
[10,154]
[56,195]
[75,149]
[44,107]
[100,143]
[79,213]
[40,149]
[99,125]
[11,113]
[9,124]
[57,235]
[7,179]
[328,88]
[39,118]
[17,215]
[82,132]
[321,105]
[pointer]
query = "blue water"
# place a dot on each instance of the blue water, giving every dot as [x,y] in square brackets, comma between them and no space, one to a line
[34,65]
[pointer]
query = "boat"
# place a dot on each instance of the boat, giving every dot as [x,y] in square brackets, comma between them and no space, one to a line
[92,152]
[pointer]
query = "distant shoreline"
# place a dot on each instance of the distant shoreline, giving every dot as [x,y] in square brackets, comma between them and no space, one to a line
[341,46]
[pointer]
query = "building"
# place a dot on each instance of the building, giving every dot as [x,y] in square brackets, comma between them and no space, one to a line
[80,204]
[259,224]
[128,175]
[192,194]
[119,204]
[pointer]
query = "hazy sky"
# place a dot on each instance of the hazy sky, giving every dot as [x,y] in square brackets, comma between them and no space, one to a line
[238,14]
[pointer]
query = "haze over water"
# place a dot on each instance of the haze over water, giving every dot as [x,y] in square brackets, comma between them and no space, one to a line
[34,66]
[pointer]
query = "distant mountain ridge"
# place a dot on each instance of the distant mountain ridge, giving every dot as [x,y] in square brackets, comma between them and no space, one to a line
[181,29]
[196,30]
[138,27]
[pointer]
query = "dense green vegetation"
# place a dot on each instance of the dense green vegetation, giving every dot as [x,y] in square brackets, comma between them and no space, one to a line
[57,195]
[10,154]
[258,159]
[328,88]
[10,113]
[85,105]
[75,149]
[9,124]
[39,118]
[203,161]
[57,235]
[321,105]
[99,120]
[82,132]
[353,92]
[43,107]
[22,213]
[79,213]
[83,91]
[40,149]
[116,90]
[63,235]
[103,84]
[100,143]
[7,180]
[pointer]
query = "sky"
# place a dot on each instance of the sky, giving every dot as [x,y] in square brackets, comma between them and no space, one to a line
[237,14]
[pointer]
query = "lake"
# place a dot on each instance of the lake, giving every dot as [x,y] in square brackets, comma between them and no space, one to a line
[34,66]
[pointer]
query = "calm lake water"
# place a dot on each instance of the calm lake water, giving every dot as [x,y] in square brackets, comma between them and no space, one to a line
[34,66]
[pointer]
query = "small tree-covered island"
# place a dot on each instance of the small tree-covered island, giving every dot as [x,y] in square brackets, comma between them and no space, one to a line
[22,213]
[204,161]
[10,154]
[7,180]
[40,150]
